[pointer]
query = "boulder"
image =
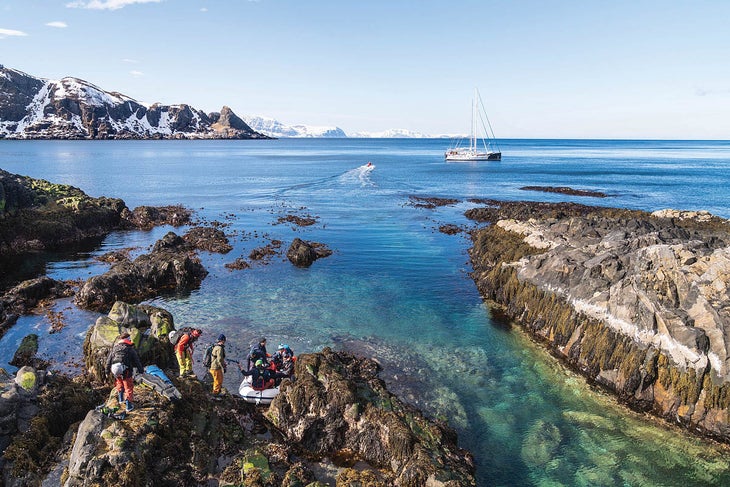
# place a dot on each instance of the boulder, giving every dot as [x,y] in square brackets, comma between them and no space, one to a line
[148,327]
[302,253]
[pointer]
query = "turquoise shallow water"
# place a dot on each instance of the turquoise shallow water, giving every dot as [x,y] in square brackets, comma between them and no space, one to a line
[395,288]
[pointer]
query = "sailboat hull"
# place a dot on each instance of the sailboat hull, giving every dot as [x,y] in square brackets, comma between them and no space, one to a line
[466,156]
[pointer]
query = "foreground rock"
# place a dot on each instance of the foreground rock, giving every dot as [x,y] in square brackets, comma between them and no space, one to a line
[338,407]
[638,302]
[147,326]
[171,266]
[335,425]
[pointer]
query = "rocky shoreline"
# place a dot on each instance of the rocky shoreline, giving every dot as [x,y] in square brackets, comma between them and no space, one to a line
[637,302]
[336,424]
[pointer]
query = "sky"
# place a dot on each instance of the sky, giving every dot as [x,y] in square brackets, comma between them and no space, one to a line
[638,69]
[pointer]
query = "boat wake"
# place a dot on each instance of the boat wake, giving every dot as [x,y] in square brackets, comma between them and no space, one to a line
[360,174]
[357,177]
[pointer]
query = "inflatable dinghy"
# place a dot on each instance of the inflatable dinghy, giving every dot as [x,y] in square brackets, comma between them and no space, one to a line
[257,396]
[156,379]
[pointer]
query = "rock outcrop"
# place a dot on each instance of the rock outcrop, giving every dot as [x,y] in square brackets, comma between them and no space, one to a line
[337,407]
[147,326]
[172,266]
[302,253]
[638,302]
[37,215]
[71,108]
[335,425]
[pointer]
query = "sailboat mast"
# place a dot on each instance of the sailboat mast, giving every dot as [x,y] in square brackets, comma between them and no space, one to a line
[473,143]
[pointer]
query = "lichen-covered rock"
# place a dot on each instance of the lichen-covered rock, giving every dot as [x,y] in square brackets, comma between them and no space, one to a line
[338,404]
[638,302]
[171,266]
[148,327]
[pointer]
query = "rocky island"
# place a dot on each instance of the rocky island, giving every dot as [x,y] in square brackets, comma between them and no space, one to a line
[637,302]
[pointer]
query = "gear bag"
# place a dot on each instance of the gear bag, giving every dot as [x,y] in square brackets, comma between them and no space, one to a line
[174,335]
[208,357]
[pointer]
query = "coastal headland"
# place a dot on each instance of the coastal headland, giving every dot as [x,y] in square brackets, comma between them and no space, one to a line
[637,302]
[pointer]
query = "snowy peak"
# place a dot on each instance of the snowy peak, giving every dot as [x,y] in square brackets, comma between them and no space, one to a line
[71,108]
[274,128]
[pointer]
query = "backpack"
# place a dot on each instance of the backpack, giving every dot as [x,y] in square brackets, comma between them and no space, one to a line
[208,357]
[175,335]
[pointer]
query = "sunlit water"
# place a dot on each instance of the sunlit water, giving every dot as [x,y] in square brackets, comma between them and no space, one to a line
[395,286]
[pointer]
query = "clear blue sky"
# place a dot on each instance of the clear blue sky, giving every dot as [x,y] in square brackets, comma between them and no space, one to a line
[606,69]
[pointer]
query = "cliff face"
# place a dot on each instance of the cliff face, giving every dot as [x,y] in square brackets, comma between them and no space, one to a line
[71,108]
[638,302]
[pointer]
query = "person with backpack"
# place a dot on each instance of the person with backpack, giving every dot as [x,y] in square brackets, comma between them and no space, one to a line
[216,363]
[184,351]
[258,352]
[121,360]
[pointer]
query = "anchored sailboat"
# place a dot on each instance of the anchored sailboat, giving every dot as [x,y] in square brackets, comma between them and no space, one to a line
[481,148]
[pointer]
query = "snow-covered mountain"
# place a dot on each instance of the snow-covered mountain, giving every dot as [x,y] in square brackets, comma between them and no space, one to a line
[274,128]
[390,134]
[71,108]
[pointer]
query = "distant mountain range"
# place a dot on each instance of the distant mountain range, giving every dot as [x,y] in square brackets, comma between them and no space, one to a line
[71,108]
[275,128]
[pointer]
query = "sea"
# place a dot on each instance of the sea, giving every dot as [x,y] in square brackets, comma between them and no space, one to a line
[395,289]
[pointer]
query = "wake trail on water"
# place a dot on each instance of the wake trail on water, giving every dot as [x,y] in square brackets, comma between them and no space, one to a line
[353,178]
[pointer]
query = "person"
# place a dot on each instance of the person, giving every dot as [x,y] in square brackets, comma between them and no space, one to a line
[184,351]
[218,364]
[263,376]
[281,352]
[258,352]
[122,358]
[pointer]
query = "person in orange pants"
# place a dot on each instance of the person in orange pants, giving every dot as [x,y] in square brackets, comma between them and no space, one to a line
[218,364]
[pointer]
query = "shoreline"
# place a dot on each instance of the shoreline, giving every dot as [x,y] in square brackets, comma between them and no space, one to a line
[518,268]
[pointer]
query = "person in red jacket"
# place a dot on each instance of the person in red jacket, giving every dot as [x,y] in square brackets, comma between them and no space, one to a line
[184,351]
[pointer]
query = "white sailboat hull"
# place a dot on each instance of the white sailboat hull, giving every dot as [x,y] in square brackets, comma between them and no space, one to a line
[455,155]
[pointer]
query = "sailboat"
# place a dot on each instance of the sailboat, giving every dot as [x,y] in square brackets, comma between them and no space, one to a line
[481,148]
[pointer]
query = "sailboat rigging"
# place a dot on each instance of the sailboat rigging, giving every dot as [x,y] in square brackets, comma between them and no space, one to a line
[481,148]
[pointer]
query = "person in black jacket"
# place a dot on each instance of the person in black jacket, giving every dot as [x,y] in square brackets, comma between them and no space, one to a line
[122,359]
[258,352]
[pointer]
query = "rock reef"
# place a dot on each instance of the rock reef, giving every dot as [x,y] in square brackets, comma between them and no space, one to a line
[637,302]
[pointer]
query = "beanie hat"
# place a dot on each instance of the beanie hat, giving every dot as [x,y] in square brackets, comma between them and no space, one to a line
[221,338]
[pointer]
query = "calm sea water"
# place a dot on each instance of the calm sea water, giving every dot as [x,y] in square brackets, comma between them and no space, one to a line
[395,288]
